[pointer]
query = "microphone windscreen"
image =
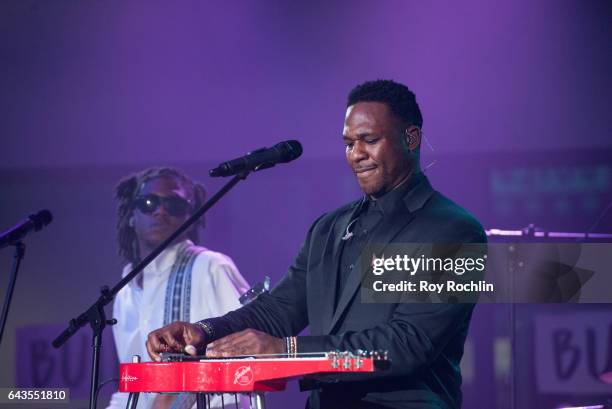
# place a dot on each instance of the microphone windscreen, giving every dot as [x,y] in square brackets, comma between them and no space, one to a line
[42,218]
[290,150]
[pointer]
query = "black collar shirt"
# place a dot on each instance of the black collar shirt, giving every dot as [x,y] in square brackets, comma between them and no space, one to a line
[367,218]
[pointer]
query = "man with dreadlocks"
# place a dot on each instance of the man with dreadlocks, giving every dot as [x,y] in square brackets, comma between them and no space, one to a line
[185,282]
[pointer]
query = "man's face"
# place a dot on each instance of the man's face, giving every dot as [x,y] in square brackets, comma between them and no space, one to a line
[155,223]
[376,147]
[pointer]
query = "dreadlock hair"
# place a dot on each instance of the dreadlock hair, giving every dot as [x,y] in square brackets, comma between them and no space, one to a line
[126,192]
[398,97]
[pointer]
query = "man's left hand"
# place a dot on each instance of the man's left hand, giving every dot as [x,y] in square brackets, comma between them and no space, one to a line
[247,342]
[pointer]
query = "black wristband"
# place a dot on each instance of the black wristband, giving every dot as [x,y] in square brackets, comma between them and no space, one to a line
[219,327]
[207,328]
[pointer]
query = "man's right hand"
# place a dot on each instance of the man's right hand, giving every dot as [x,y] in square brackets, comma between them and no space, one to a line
[174,338]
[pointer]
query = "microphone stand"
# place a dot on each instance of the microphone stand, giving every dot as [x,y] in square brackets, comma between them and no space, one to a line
[18,257]
[95,315]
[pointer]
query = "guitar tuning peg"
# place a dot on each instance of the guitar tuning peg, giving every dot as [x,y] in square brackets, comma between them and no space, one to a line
[347,361]
[333,357]
[359,358]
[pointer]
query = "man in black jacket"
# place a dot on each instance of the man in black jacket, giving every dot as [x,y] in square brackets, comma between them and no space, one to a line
[382,135]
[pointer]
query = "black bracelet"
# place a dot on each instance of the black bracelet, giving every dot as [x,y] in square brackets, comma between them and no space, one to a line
[207,328]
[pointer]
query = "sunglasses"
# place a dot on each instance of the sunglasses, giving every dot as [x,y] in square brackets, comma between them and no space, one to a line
[174,205]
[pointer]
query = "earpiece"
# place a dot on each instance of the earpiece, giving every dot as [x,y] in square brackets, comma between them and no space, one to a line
[411,139]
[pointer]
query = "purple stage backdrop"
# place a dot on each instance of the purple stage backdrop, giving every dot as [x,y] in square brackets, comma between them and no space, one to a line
[515,97]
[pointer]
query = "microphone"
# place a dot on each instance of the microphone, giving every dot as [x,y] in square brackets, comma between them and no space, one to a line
[34,222]
[260,159]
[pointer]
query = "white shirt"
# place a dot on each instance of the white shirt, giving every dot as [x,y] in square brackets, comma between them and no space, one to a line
[216,286]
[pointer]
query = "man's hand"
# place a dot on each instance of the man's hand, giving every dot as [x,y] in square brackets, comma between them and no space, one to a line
[247,342]
[174,338]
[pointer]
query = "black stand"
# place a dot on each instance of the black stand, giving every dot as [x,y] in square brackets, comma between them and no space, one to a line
[533,233]
[19,253]
[95,315]
[132,400]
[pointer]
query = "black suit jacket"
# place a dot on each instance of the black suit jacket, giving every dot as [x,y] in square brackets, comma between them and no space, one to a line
[424,341]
